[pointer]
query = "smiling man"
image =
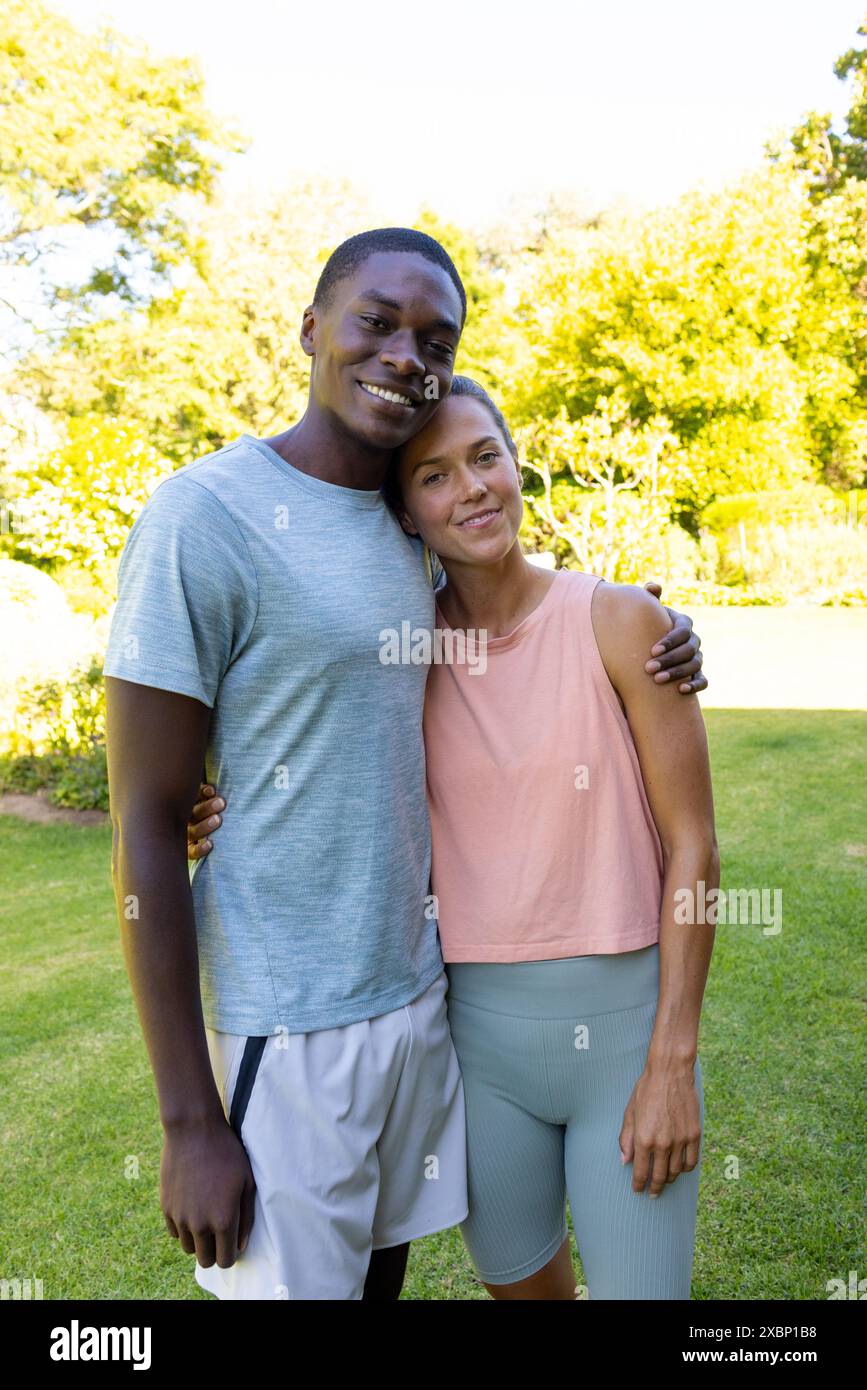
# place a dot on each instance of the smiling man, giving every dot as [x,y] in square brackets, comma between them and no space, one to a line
[292,997]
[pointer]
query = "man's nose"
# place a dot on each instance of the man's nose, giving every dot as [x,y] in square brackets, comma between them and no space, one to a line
[401,352]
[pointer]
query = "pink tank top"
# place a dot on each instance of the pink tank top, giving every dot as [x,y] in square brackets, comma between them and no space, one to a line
[543,841]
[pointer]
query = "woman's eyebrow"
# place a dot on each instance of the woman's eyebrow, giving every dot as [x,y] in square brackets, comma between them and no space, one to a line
[381,298]
[438,458]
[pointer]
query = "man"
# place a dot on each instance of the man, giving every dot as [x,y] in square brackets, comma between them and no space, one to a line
[293,998]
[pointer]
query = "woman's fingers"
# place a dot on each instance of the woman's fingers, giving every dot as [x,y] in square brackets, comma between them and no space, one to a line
[203,810]
[199,830]
[204,818]
[658,1171]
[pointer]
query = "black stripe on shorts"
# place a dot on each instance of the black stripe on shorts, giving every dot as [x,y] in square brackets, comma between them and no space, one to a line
[253,1049]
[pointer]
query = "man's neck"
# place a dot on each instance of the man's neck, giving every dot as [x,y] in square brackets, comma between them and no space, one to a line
[320,448]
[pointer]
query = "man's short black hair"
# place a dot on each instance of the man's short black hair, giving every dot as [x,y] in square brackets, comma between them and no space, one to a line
[350,254]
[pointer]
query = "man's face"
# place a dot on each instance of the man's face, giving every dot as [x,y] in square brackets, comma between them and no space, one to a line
[393,326]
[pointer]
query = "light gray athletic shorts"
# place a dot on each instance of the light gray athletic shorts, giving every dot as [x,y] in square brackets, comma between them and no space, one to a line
[357,1141]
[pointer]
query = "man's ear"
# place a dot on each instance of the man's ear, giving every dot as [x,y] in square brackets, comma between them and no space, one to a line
[308,324]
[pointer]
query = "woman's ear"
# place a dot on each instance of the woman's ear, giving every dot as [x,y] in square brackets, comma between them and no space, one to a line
[405,521]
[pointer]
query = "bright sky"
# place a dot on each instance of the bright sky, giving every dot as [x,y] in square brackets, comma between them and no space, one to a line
[462,104]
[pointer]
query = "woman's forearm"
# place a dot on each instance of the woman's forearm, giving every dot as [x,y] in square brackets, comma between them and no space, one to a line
[685,949]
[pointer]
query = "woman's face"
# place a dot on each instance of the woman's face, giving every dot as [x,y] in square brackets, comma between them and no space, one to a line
[460,485]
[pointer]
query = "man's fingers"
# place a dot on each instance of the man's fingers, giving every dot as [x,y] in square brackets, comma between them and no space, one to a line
[227,1243]
[205,1249]
[690,668]
[679,639]
[245,1225]
[692,687]
[677,656]
[198,849]
[188,1244]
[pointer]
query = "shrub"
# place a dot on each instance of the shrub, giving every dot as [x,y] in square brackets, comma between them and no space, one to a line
[58,741]
[822,562]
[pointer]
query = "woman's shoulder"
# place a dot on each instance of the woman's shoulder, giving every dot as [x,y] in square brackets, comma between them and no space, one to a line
[629,602]
[626,618]
[579,580]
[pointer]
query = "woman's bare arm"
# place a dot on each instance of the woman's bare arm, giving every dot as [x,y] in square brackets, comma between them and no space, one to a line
[671,744]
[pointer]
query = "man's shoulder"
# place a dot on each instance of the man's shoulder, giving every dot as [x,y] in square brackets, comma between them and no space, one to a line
[210,484]
[221,470]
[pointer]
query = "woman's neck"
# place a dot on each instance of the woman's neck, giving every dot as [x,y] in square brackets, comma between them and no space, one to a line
[494,597]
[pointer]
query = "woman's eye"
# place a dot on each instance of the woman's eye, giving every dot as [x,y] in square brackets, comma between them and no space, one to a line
[431,476]
[489,454]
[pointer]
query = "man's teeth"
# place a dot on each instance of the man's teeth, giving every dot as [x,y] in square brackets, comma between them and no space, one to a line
[387,395]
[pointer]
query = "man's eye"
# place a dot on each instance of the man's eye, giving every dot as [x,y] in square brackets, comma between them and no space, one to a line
[444,349]
[375,320]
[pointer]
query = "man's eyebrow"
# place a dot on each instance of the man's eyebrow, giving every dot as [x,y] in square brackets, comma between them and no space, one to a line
[382,298]
[438,458]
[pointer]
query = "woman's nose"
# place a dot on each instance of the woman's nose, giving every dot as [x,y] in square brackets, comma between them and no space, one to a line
[471,483]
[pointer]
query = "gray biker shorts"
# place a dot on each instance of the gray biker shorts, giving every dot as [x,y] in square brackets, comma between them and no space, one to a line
[550,1052]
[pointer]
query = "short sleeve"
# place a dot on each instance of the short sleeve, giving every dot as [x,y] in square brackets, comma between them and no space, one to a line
[187,594]
[438,574]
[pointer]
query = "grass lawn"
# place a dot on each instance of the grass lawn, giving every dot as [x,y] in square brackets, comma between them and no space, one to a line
[781,1047]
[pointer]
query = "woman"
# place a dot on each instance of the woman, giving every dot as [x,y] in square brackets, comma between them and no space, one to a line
[571,820]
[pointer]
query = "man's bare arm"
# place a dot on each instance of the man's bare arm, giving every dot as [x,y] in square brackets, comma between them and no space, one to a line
[156,743]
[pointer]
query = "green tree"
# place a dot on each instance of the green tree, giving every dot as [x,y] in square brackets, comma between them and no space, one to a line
[488,342]
[97,134]
[220,356]
[71,508]
[706,313]
[829,157]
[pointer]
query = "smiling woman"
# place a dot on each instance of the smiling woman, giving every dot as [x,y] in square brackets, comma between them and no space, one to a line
[555,885]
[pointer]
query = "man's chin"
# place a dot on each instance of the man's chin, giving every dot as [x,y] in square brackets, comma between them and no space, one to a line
[387,434]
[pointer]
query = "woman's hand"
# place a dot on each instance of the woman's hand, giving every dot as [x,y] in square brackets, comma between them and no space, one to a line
[204,818]
[661,1131]
[677,655]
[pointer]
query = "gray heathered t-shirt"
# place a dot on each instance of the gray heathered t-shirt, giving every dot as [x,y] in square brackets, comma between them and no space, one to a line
[265,593]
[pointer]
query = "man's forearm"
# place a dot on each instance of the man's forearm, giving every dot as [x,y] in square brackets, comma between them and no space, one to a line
[685,950]
[155,908]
